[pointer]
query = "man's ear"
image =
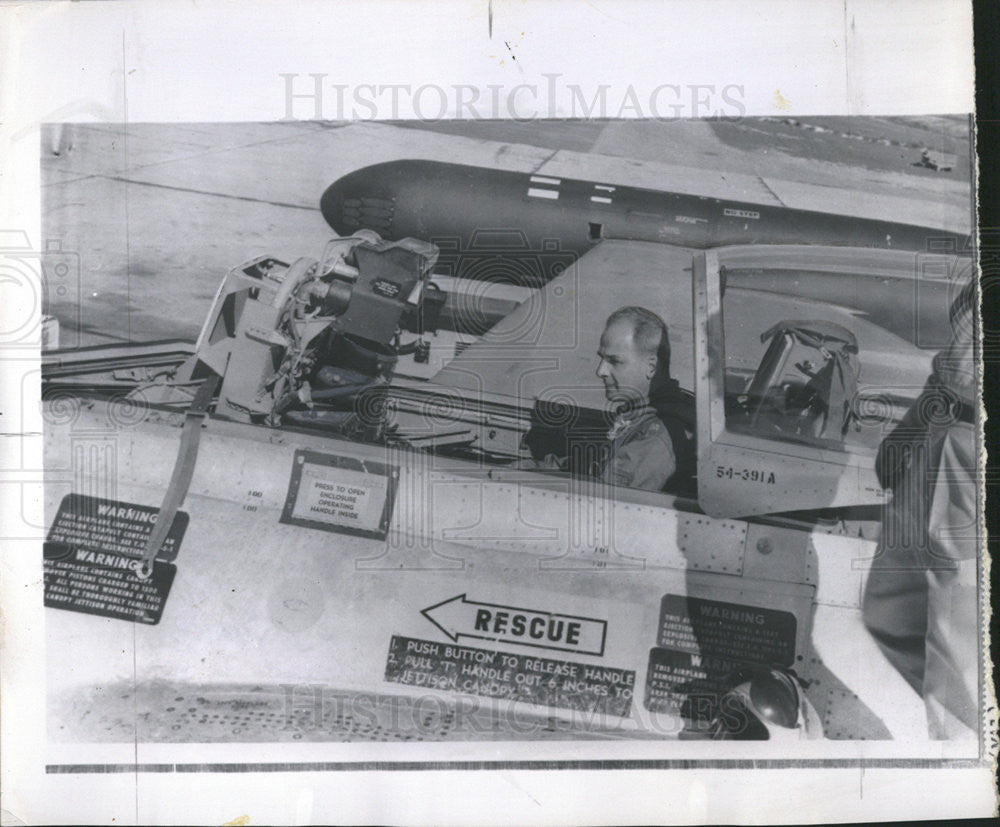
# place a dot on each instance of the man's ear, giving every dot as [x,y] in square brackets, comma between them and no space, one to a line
[651,366]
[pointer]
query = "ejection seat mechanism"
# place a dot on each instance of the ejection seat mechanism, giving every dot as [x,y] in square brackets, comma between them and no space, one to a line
[317,339]
[806,383]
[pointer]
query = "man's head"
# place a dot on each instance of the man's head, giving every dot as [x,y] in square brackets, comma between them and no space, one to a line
[635,350]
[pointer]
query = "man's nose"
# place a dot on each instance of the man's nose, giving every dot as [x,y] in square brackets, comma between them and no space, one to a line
[602,369]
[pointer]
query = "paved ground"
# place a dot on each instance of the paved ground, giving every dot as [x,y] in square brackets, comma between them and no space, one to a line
[153,215]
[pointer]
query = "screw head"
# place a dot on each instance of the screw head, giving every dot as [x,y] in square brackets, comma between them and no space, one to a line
[764,545]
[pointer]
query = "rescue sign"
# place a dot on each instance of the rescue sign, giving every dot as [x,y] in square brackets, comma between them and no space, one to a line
[460,617]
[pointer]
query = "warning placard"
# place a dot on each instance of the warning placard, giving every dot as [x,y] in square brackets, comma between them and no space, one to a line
[701,646]
[113,527]
[686,683]
[93,550]
[512,676]
[727,630]
[104,584]
[336,493]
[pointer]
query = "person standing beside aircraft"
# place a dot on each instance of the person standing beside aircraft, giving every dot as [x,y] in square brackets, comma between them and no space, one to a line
[920,602]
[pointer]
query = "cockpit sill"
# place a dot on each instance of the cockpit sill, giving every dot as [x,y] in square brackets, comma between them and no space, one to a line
[103,399]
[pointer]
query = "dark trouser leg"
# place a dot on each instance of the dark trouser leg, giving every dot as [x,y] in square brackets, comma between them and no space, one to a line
[895,611]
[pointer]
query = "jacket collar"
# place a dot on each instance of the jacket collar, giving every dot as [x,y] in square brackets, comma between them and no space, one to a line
[629,418]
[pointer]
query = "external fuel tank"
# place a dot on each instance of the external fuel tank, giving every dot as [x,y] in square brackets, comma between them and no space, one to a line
[478,215]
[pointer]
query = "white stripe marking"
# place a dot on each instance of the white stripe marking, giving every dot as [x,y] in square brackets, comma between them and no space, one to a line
[537,193]
[600,199]
[539,179]
[604,187]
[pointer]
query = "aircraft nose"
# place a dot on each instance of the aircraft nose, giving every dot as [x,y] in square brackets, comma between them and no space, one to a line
[359,200]
[331,204]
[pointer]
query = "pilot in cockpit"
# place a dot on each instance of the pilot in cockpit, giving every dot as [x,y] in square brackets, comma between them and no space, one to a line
[650,444]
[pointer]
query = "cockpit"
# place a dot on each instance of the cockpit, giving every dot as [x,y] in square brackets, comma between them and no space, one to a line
[771,388]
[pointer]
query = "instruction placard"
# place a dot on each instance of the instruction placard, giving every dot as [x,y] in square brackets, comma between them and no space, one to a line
[337,493]
[511,676]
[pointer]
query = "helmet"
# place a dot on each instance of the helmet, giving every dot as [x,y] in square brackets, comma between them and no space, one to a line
[765,705]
